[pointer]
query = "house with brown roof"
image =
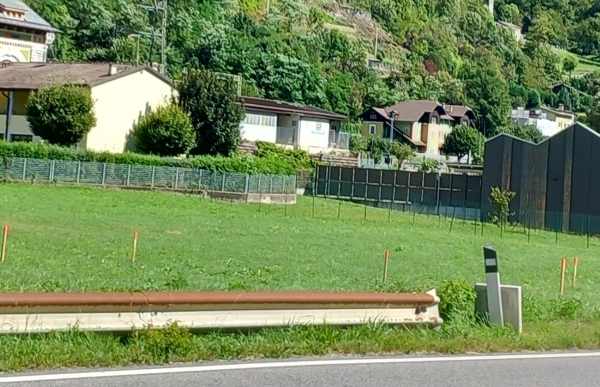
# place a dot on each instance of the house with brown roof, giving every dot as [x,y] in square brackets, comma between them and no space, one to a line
[121,95]
[293,126]
[420,123]
[24,35]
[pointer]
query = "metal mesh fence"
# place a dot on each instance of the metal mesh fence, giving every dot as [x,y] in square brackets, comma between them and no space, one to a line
[142,176]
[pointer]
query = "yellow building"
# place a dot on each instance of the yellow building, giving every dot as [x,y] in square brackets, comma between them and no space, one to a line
[121,96]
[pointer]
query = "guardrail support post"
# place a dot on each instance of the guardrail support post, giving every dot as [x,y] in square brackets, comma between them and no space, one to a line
[128,175]
[153,174]
[52,167]
[78,172]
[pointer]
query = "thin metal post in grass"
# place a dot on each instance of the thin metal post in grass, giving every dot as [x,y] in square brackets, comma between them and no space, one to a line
[475,226]
[528,228]
[365,219]
[556,238]
[5,230]
[452,221]
[390,212]
[414,217]
[339,214]
[386,263]
[136,238]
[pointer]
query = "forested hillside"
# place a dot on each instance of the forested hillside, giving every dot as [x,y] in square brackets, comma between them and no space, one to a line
[316,51]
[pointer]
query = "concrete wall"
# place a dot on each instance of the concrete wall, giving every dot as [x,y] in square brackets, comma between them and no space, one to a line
[313,135]
[259,126]
[119,104]
[436,137]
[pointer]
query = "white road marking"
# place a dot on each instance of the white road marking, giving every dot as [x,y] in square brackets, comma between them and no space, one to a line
[288,364]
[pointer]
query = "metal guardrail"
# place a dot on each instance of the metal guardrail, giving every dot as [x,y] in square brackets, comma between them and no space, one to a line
[142,176]
[39,312]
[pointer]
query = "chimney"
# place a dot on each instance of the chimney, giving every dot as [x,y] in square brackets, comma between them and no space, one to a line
[113,69]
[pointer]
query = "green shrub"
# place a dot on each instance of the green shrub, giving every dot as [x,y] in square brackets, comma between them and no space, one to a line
[161,345]
[429,166]
[500,201]
[167,131]
[61,114]
[235,163]
[457,301]
[299,159]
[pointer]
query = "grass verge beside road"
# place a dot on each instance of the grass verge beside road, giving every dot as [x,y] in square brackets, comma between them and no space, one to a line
[79,239]
[75,349]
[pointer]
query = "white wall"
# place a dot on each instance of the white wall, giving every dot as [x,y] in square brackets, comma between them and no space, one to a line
[259,126]
[313,135]
[118,106]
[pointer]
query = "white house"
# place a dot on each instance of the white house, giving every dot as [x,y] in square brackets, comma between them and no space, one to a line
[547,120]
[121,95]
[292,125]
[24,35]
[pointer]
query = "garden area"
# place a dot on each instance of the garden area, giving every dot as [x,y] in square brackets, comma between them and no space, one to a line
[79,239]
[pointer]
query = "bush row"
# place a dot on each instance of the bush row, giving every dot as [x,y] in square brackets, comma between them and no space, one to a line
[270,163]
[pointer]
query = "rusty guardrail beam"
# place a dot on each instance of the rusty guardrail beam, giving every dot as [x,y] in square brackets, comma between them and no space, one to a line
[44,312]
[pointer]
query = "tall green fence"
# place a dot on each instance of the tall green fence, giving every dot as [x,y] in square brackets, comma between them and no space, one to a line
[142,176]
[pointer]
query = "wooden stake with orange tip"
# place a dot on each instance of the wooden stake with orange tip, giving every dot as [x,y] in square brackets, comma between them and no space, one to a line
[563,270]
[5,229]
[136,237]
[386,263]
[575,265]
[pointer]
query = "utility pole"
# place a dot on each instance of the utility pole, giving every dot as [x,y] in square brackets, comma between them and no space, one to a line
[160,9]
[163,45]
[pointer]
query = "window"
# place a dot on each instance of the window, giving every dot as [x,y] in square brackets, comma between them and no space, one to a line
[372,129]
[21,137]
[260,119]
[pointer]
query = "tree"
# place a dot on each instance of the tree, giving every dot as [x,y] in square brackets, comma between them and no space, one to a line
[487,92]
[593,116]
[61,115]
[463,140]
[569,64]
[167,131]
[215,111]
[525,132]
[401,152]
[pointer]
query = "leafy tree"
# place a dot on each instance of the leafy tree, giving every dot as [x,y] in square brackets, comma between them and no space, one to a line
[487,92]
[569,64]
[525,132]
[401,152]
[166,131]
[534,100]
[215,112]
[593,116]
[61,115]
[463,140]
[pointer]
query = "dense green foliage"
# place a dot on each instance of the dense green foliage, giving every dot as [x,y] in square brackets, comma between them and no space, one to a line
[271,164]
[525,132]
[166,131]
[61,114]
[299,159]
[402,152]
[315,52]
[215,112]
[464,140]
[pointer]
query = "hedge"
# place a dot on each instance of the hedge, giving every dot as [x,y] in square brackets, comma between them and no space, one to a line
[273,163]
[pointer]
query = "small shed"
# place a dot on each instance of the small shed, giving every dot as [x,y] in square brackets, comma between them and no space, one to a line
[554,181]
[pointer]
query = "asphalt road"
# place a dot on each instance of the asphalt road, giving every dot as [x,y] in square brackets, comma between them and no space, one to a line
[565,370]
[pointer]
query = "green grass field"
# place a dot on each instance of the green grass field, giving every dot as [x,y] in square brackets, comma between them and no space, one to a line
[76,239]
[79,239]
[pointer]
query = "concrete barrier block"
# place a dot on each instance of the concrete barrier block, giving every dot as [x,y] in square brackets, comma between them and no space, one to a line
[512,304]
